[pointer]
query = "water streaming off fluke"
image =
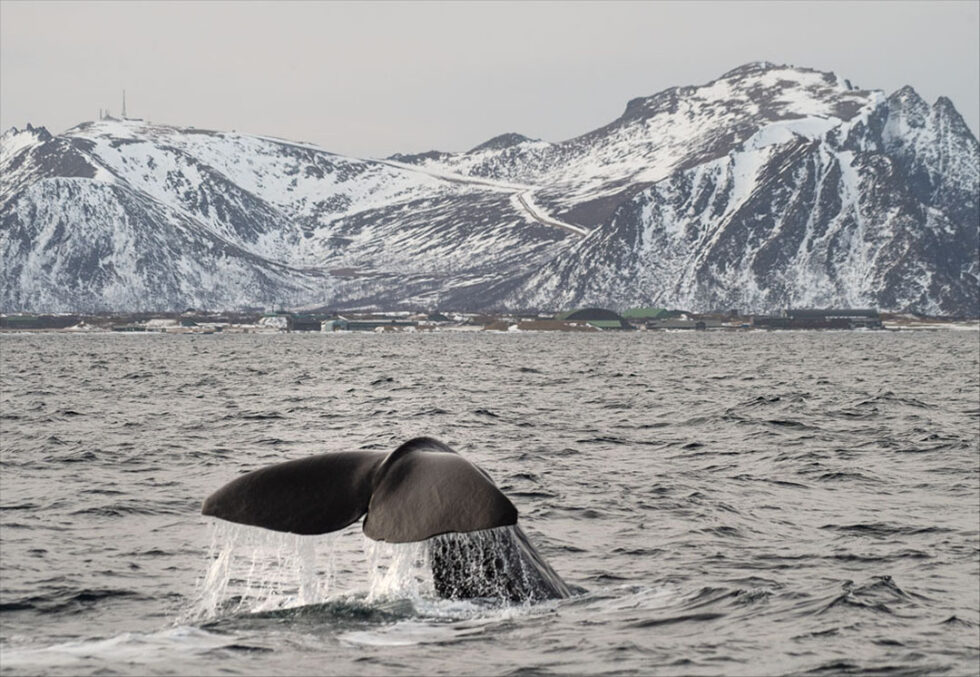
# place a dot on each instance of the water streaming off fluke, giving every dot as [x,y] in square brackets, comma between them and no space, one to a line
[254,570]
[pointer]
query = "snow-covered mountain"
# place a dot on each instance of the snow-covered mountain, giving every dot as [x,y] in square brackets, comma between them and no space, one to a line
[772,186]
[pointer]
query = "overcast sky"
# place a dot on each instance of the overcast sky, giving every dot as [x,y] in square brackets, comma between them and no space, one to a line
[374,78]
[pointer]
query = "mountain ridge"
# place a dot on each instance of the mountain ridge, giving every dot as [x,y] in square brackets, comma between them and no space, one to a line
[770,186]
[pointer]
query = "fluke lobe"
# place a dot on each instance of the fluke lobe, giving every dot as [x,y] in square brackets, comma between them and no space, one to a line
[422,491]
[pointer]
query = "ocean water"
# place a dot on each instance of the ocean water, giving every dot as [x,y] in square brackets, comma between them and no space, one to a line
[738,504]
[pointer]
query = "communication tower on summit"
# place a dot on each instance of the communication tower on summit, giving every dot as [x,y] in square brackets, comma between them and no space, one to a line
[124,105]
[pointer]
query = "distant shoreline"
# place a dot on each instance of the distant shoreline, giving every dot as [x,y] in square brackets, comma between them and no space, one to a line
[910,328]
[589,320]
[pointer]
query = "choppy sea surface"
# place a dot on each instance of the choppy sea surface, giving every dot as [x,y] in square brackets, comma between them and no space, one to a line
[738,504]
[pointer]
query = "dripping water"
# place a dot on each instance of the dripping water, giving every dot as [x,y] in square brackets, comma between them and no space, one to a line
[255,570]
[398,571]
[496,563]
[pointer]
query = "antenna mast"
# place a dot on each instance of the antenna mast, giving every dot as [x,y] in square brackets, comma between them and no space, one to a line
[124,105]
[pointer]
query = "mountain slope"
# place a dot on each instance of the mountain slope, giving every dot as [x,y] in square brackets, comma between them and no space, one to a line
[771,186]
[127,215]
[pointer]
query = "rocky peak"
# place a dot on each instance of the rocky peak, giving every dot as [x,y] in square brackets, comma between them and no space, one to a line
[500,142]
[14,141]
[912,121]
[946,114]
[776,91]
[35,133]
[752,68]
[40,132]
[907,104]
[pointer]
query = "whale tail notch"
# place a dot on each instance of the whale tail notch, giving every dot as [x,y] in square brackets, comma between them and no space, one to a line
[420,490]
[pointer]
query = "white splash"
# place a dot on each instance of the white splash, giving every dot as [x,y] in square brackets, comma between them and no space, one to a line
[254,570]
[493,564]
[398,571]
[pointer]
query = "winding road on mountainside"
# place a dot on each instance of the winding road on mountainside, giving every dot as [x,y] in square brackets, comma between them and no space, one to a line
[523,193]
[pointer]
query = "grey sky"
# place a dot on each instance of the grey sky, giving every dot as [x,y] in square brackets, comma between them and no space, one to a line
[371,79]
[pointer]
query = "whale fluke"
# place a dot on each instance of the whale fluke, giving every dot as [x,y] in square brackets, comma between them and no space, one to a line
[424,489]
[420,490]
[307,496]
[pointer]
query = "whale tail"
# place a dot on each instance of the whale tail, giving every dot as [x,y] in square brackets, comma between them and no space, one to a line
[420,490]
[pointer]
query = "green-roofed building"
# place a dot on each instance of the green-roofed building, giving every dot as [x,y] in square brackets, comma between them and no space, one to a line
[645,313]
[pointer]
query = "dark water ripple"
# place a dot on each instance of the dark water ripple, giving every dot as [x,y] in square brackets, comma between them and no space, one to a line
[786,504]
